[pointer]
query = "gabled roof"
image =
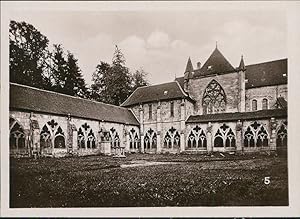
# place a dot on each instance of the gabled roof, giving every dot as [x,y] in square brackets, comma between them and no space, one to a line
[267,73]
[166,91]
[32,99]
[215,64]
[218,117]
[180,80]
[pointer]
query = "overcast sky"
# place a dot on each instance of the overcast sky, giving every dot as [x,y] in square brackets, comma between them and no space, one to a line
[161,41]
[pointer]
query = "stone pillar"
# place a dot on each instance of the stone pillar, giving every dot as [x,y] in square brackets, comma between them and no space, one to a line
[34,133]
[209,138]
[182,125]
[142,128]
[239,136]
[242,90]
[158,128]
[69,134]
[273,125]
[127,147]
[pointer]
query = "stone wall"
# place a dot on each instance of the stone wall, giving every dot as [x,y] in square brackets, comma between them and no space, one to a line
[269,92]
[70,127]
[230,84]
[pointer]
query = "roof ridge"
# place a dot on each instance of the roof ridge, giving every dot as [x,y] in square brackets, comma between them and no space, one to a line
[185,94]
[268,61]
[53,92]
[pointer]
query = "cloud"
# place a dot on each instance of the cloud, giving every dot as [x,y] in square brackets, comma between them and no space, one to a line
[158,40]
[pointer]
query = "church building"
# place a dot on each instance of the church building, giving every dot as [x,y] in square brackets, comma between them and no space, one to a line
[213,107]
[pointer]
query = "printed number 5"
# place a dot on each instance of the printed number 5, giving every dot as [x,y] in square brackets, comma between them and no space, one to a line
[267,180]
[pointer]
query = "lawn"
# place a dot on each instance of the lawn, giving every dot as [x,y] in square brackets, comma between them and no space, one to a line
[186,180]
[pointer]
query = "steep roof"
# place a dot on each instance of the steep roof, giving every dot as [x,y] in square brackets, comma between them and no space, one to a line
[215,64]
[242,64]
[180,80]
[166,91]
[37,100]
[281,103]
[267,73]
[189,66]
[261,114]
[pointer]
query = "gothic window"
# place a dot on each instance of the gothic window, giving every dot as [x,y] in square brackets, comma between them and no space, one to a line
[133,139]
[197,138]
[172,109]
[224,137]
[17,135]
[214,98]
[281,140]
[59,139]
[254,105]
[256,135]
[150,111]
[265,104]
[91,140]
[115,139]
[81,139]
[172,138]
[150,139]
[45,138]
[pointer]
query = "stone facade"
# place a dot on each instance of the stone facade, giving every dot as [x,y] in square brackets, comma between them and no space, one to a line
[74,142]
[211,110]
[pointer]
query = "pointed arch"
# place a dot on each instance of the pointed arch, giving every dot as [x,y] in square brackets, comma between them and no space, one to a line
[45,139]
[214,98]
[59,138]
[172,138]
[133,139]
[16,135]
[224,137]
[197,138]
[115,139]
[150,140]
[281,139]
[256,135]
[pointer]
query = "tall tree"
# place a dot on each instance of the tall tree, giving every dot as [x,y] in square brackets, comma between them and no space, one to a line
[66,74]
[139,79]
[28,52]
[112,83]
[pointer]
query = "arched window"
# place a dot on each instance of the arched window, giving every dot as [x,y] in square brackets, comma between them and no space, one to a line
[214,98]
[224,137]
[115,139]
[254,105]
[150,140]
[197,138]
[172,138]
[91,140]
[59,139]
[80,139]
[133,139]
[281,140]
[17,135]
[265,104]
[256,135]
[45,139]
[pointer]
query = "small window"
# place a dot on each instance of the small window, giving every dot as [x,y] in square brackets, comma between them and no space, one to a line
[254,105]
[150,111]
[265,104]
[172,109]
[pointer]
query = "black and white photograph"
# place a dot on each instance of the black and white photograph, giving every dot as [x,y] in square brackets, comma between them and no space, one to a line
[135,105]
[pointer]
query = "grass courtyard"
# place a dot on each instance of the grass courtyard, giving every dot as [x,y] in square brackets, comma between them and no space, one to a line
[149,180]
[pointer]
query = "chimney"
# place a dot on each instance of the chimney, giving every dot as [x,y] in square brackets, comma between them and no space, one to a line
[198,65]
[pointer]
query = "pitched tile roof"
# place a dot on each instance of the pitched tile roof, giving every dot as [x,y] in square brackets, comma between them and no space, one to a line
[37,100]
[281,103]
[215,64]
[166,91]
[180,80]
[261,114]
[261,74]
[267,73]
